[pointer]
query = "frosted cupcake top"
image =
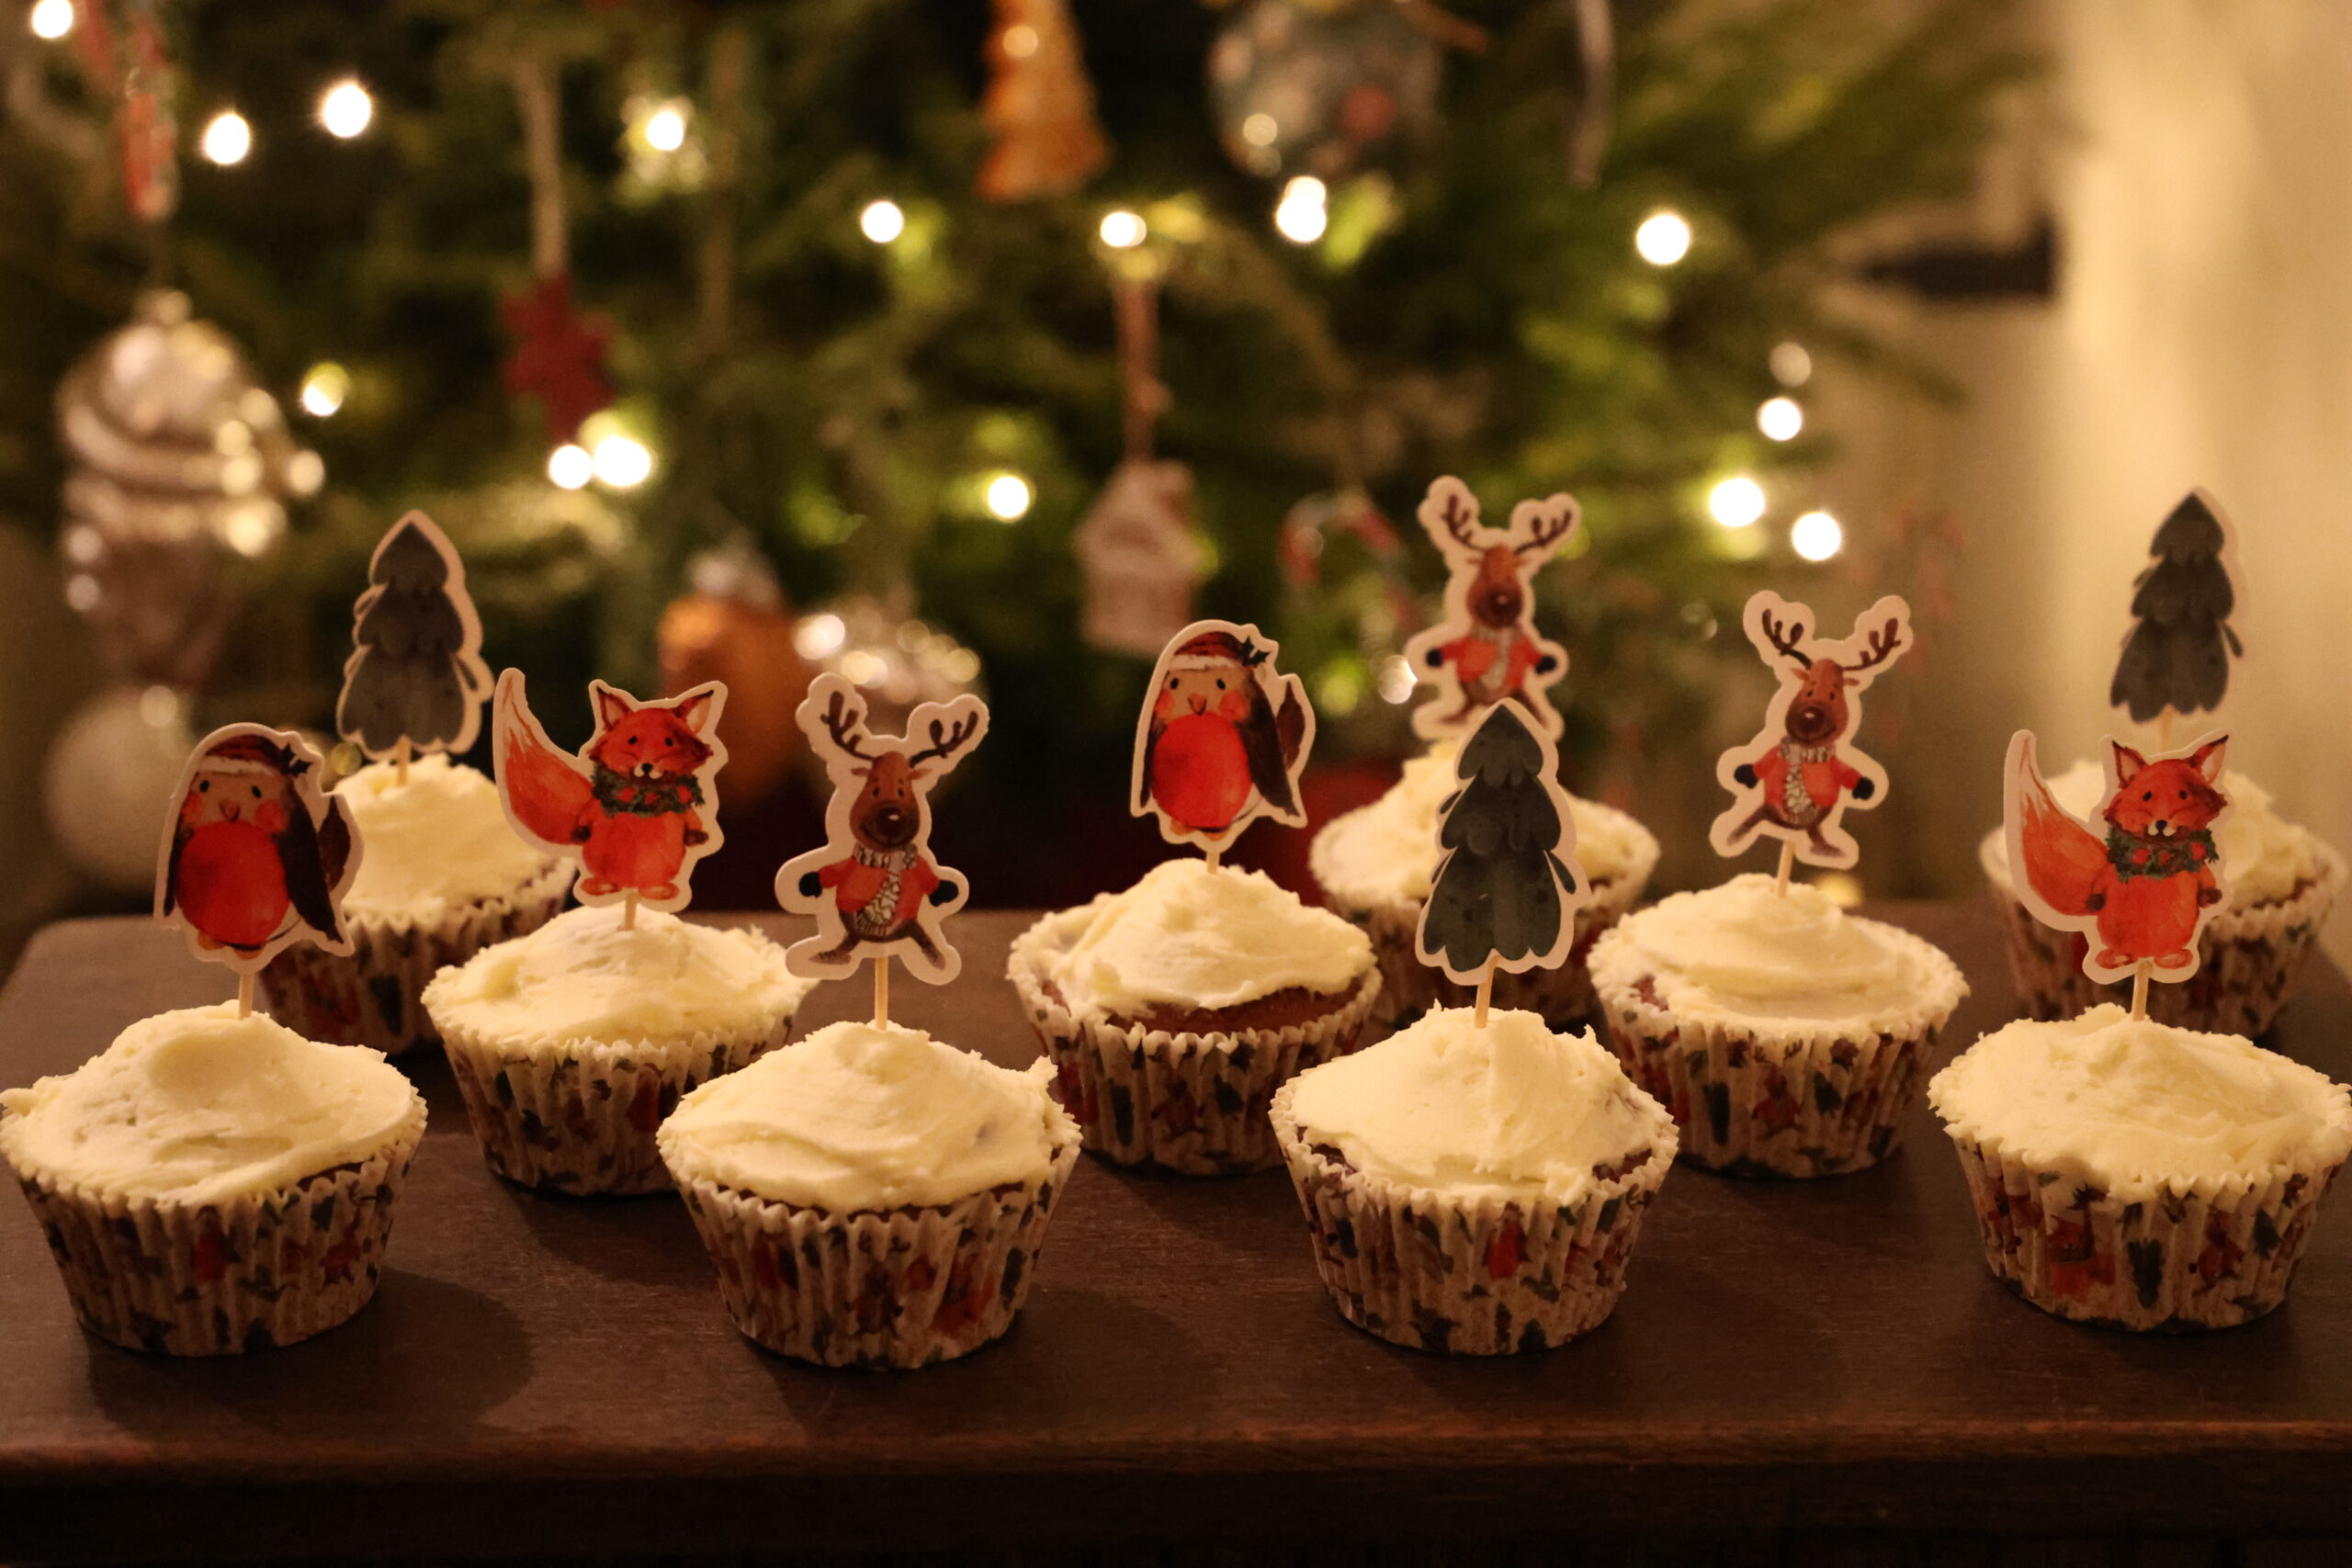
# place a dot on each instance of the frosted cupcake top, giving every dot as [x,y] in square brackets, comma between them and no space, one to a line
[1742,954]
[1386,853]
[1187,936]
[2133,1105]
[582,977]
[200,1105]
[1509,1110]
[2265,858]
[860,1118]
[434,845]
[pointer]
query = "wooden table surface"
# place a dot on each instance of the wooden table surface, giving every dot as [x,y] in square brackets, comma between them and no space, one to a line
[546,1375]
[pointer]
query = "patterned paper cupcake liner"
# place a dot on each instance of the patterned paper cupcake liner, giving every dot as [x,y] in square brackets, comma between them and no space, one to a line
[901,1287]
[583,1120]
[2172,1262]
[1756,1102]
[247,1273]
[371,997]
[2249,959]
[1473,1277]
[1191,1103]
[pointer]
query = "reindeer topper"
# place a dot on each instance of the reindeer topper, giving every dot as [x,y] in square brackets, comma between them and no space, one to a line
[1795,779]
[2140,880]
[1222,737]
[876,890]
[1485,650]
[638,803]
[415,679]
[255,855]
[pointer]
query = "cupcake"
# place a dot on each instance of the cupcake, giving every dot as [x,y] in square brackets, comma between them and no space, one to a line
[2139,1175]
[444,877]
[211,1184]
[870,1196]
[2279,881]
[1172,1011]
[1787,1037]
[1474,1189]
[1374,865]
[572,1043]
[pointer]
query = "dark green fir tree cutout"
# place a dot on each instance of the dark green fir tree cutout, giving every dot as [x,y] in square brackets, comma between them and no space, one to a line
[1508,889]
[2179,654]
[416,680]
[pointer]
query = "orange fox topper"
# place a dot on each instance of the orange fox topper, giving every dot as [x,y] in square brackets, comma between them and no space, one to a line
[2140,890]
[1487,649]
[874,887]
[254,854]
[1794,781]
[640,803]
[1222,737]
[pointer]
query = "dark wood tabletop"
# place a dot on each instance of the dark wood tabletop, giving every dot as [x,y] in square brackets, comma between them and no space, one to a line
[542,1375]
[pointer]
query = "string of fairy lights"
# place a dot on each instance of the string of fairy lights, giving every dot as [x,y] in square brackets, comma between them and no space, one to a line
[612,457]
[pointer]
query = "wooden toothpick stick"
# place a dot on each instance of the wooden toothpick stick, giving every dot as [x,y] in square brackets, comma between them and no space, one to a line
[400,760]
[1788,863]
[245,995]
[2140,988]
[1214,853]
[2164,729]
[882,992]
[629,911]
[1485,992]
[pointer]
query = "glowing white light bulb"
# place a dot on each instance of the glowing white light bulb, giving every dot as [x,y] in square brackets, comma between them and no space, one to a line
[1009,496]
[1020,41]
[1663,238]
[346,109]
[1261,129]
[1122,229]
[1736,503]
[1779,419]
[53,18]
[227,138]
[1816,536]
[1395,681]
[324,388]
[621,462]
[1792,365]
[882,221]
[820,637]
[665,130]
[1301,217]
[570,467]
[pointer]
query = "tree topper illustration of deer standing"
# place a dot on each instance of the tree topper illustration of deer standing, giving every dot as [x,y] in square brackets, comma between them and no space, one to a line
[1485,650]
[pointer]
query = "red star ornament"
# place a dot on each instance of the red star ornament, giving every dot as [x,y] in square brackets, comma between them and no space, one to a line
[559,353]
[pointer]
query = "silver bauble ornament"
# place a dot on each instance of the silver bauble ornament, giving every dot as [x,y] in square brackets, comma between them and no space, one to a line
[1313,87]
[182,465]
[107,783]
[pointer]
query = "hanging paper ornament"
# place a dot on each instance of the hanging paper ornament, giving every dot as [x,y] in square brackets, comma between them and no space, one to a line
[181,465]
[559,354]
[735,629]
[1315,86]
[896,663]
[146,131]
[1142,560]
[1039,105]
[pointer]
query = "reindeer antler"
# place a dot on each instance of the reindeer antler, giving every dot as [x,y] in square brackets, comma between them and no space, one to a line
[847,731]
[1785,636]
[944,740]
[1459,516]
[1884,645]
[1546,530]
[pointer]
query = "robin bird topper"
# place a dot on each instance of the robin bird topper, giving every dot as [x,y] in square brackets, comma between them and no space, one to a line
[1222,737]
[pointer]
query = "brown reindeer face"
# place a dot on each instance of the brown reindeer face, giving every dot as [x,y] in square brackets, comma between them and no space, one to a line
[1496,596]
[888,813]
[1819,713]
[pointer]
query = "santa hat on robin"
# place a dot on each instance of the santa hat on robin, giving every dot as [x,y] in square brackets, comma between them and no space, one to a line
[1209,651]
[255,754]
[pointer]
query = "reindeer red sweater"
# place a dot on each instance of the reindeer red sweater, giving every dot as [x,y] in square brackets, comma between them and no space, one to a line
[862,887]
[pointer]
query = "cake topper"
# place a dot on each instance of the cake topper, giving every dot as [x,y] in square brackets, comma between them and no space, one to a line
[1222,737]
[2176,658]
[255,855]
[2140,892]
[876,890]
[638,803]
[1796,779]
[415,679]
[1485,650]
[1505,894]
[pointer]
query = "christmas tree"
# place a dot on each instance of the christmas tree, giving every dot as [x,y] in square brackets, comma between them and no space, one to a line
[1503,892]
[443,229]
[2178,655]
[417,674]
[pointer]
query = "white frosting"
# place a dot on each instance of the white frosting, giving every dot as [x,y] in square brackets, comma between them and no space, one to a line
[2264,856]
[1509,1110]
[582,977]
[1187,936]
[200,1105]
[2135,1104]
[432,846]
[860,1118]
[1386,853]
[1744,953]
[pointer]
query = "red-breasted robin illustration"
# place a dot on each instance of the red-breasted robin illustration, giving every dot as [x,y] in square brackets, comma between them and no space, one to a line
[256,856]
[1223,736]
[1486,649]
